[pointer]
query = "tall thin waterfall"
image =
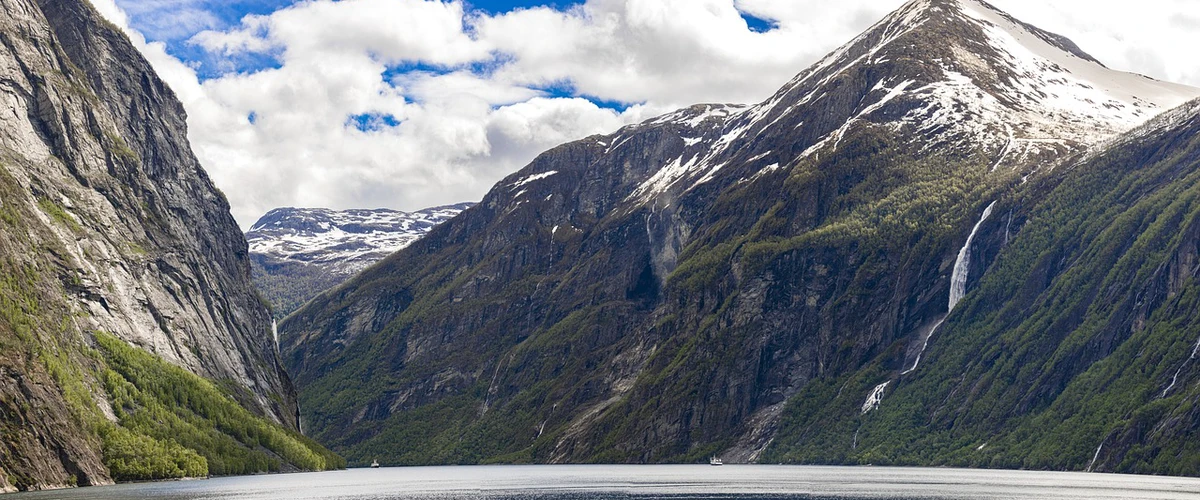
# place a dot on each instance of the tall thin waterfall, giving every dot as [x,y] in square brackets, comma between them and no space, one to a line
[958,283]
[275,333]
[962,266]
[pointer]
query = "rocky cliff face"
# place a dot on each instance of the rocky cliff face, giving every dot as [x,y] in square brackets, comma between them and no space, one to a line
[110,225]
[297,253]
[681,287]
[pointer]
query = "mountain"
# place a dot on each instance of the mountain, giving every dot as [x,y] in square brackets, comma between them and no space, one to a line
[296,253]
[1077,348]
[134,345]
[708,282]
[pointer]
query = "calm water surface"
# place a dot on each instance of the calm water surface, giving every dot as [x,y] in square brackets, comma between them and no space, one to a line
[605,482]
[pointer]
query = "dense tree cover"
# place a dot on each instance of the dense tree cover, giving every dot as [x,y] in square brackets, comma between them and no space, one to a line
[164,403]
[288,285]
[131,456]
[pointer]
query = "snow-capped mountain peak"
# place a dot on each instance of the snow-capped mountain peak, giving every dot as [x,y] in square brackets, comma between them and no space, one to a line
[953,75]
[343,242]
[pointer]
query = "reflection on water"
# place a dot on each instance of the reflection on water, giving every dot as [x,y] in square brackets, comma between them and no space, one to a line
[614,482]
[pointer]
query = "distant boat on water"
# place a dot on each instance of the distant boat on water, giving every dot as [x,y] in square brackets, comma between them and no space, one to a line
[715,461]
[374,464]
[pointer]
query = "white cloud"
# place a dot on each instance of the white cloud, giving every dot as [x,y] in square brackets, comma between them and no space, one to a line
[472,112]
[676,52]
[1151,37]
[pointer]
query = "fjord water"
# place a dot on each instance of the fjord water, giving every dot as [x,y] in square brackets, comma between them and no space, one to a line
[603,482]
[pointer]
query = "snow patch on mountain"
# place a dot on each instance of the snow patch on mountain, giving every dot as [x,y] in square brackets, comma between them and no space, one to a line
[532,178]
[344,242]
[1006,88]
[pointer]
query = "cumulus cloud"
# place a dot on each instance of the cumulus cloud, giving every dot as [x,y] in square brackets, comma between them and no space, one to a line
[413,103]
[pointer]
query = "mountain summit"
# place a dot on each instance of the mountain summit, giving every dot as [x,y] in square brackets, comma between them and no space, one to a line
[707,281]
[296,253]
[954,75]
[952,56]
[342,242]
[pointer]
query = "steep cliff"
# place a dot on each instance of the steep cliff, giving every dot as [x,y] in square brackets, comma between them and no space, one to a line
[110,227]
[670,291]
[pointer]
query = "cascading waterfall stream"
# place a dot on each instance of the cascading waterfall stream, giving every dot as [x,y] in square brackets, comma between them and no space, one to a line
[962,266]
[958,283]
[874,398]
[958,288]
[275,333]
[1175,379]
[1096,456]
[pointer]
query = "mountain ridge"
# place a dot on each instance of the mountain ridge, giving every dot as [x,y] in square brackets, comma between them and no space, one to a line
[296,253]
[343,241]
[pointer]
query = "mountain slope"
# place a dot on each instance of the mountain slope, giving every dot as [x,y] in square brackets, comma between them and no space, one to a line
[109,228]
[661,293]
[296,253]
[1078,349]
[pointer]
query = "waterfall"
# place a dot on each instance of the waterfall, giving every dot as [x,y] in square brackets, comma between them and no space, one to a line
[874,398]
[1195,353]
[275,333]
[1096,456]
[958,283]
[962,266]
[958,288]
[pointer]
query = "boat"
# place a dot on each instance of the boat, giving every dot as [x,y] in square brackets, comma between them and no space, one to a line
[374,464]
[715,461]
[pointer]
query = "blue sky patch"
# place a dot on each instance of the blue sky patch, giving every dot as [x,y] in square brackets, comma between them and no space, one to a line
[758,24]
[372,122]
[566,89]
[209,66]
[176,22]
[391,72]
[501,6]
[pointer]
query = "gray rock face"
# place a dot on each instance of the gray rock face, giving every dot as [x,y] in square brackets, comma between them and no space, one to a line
[115,227]
[297,253]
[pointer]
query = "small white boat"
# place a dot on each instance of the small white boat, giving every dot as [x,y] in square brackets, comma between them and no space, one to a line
[715,461]
[374,464]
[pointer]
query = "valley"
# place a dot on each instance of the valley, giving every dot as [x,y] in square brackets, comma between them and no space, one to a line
[956,241]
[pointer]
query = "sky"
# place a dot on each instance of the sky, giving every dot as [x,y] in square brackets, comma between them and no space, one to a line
[408,104]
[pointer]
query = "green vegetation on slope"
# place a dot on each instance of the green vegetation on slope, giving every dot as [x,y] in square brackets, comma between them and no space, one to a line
[534,359]
[288,285]
[170,422]
[169,404]
[1073,353]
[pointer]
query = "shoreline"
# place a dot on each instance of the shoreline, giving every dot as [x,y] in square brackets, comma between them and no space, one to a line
[11,490]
